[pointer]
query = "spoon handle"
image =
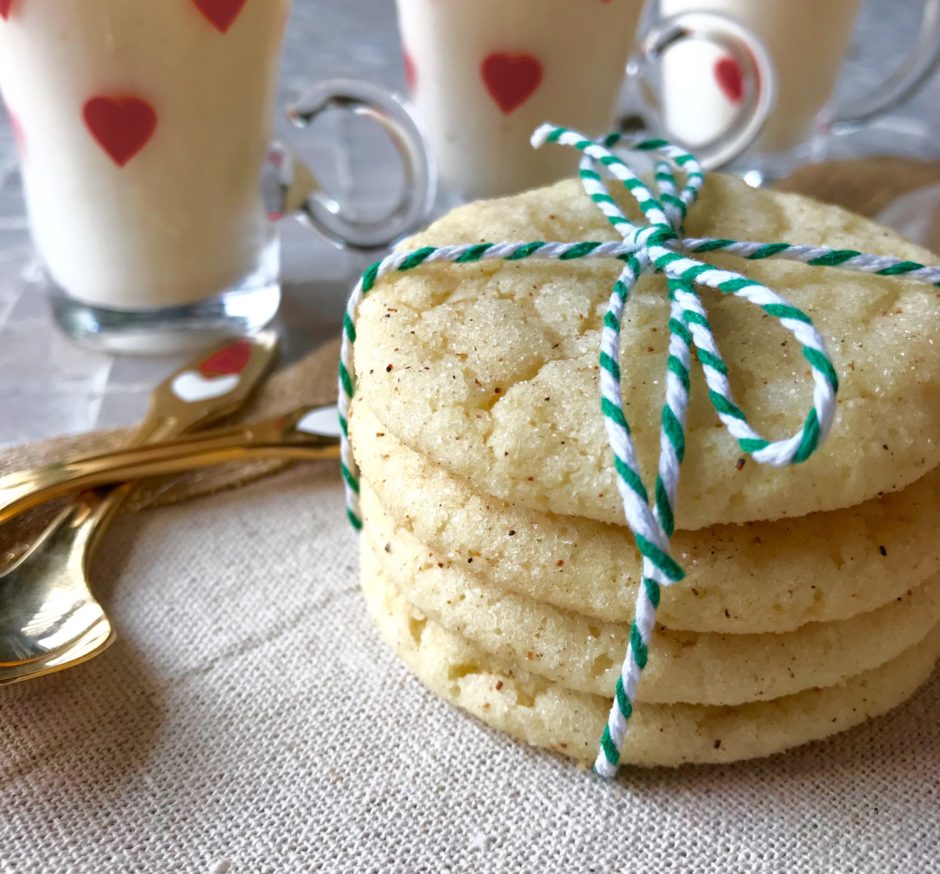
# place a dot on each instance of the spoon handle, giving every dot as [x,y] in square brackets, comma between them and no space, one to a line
[281,437]
[216,385]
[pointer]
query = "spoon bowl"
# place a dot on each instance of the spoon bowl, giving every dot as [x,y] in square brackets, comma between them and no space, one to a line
[49,618]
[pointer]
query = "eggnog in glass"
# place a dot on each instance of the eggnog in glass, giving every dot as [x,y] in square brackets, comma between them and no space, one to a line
[807,40]
[483,74]
[143,128]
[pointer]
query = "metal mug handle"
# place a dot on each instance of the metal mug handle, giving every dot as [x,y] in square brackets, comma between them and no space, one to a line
[291,187]
[758,73]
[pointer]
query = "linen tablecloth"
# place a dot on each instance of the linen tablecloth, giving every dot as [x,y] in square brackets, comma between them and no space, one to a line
[249,719]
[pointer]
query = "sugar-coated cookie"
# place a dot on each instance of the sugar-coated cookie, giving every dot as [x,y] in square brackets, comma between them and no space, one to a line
[491,371]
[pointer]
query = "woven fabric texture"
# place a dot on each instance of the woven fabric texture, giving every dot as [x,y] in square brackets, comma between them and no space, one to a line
[249,719]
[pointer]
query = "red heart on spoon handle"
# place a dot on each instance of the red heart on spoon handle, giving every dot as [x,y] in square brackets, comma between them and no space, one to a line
[5,6]
[230,360]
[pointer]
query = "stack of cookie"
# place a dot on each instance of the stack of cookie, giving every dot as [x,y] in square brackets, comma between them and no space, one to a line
[495,559]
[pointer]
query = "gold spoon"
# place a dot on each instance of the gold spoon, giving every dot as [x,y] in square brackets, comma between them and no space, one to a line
[308,433]
[49,620]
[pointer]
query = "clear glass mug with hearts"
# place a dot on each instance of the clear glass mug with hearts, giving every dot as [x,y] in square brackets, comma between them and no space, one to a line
[483,74]
[143,128]
[807,41]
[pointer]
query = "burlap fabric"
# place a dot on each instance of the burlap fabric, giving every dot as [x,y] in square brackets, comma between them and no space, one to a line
[249,719]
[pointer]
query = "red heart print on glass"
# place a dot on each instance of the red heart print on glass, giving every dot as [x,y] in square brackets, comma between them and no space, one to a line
[5,6]
[511,79]
[122,126]
[411,72]
[730,79]
[230,360]
[221,14]
[19,137]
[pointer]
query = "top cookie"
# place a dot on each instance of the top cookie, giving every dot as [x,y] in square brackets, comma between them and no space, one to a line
[491,369]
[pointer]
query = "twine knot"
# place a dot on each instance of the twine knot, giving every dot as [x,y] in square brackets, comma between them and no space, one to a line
[655,235]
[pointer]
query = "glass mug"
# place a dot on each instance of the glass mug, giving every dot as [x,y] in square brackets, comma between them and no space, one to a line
[483,74]
[143,128]
[701,87]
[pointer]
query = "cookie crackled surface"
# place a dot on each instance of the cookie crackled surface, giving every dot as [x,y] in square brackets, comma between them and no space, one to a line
[490,370]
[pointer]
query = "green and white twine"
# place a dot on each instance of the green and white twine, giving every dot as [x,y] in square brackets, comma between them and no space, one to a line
[656,247]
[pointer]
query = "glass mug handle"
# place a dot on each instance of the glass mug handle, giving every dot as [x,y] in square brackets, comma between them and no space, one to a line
[918,66]
[759,77]
[291,187]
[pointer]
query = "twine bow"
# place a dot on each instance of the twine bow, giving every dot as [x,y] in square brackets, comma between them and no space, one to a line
[658,247]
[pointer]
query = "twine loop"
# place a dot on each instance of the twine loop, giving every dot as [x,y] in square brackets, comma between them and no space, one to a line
[656,246]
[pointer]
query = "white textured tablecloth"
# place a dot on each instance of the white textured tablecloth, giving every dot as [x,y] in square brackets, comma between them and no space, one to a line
[250,720]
